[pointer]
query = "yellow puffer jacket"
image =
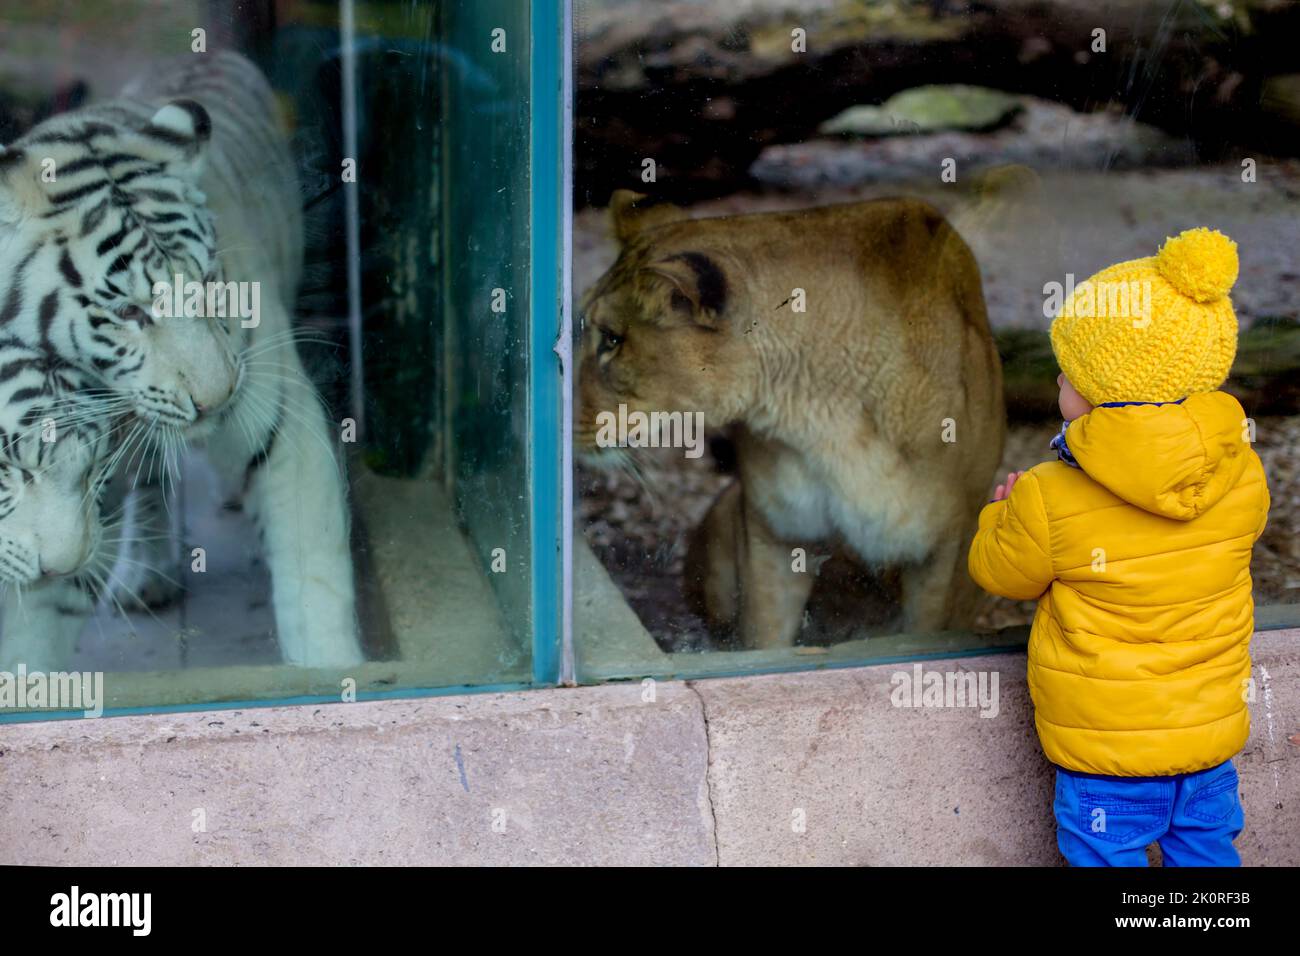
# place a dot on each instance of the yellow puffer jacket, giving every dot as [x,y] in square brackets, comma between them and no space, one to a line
[1140,561]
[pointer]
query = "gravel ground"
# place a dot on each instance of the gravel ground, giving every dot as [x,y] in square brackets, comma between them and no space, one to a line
[639,526]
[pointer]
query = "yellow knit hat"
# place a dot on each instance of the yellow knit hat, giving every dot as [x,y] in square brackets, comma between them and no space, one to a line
[1152,330]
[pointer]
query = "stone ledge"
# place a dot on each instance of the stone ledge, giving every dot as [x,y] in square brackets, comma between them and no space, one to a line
[709,771]
[880,785]
[589,776]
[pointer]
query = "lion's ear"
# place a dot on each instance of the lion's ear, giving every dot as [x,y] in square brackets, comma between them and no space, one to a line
[699,284]
[630,214]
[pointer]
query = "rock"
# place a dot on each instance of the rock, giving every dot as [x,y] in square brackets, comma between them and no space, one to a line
[1042,135]
[927,109]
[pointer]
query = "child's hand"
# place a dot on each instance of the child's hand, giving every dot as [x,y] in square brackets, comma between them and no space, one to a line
[1004,490]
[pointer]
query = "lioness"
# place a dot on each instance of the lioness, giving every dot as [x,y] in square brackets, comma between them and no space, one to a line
[849,350]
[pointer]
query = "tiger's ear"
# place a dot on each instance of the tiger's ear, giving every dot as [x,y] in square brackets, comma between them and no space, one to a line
[630,214]
[20,193]
[699,285]
[182,130]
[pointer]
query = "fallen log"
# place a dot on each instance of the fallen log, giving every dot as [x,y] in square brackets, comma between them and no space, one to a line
[1265,376]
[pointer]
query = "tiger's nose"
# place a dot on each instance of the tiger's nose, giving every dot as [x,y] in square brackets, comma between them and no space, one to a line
[65,562]
[68,554]
[204,407]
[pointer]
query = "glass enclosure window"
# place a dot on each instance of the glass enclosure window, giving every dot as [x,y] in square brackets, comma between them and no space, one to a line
[320,484]
[790,222]
[283,286]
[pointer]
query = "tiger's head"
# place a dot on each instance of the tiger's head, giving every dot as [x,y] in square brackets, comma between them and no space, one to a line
[100,216]
[55,439]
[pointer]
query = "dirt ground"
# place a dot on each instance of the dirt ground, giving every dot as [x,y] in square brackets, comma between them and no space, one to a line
[638,526]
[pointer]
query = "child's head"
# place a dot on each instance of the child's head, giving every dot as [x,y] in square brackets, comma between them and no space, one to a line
[1150,330]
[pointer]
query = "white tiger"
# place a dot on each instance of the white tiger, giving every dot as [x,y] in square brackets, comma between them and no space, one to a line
[188,174]
[55,438]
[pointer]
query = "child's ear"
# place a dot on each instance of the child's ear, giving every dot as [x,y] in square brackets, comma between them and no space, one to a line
[20,191]
[178,135]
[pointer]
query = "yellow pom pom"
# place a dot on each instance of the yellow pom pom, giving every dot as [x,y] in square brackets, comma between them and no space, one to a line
[1200,263]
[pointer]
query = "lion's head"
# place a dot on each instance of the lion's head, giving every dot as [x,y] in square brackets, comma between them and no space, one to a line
[659,329]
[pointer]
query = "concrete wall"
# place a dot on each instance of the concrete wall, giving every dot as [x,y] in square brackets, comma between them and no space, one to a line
[815,768]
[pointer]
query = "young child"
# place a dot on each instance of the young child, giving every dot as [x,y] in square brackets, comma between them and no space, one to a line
[1136,544]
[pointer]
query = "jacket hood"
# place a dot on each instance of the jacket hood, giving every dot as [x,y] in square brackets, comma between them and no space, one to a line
[1175,460]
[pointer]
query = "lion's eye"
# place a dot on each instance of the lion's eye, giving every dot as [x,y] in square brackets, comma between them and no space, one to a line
[609,340]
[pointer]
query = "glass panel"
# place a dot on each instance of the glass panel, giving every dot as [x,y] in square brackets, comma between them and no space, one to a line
[854,218]
[323,489]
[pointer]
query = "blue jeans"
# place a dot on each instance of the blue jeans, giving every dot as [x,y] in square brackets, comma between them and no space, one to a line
[1110,821]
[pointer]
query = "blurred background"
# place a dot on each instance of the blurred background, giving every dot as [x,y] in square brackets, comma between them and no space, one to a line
[1084,133]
